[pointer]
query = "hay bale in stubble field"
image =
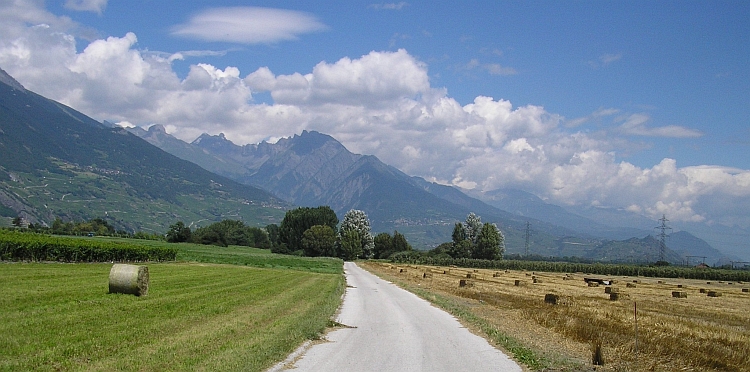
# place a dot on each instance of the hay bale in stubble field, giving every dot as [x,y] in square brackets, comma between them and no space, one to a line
[702,290]
[128,279]
[551,298]
[630,285]
[609,290]
[679,294]
[614,296]
[746,290]
[714,294]
[517,283]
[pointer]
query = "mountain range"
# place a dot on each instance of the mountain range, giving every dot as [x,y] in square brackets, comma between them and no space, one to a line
[314,169]
[57,163]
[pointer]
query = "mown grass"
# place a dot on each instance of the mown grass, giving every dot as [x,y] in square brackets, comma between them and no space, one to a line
[196,317]
[245,256]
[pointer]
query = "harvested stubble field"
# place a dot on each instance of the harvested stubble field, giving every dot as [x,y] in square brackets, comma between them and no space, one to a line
[693,333]
[197,316]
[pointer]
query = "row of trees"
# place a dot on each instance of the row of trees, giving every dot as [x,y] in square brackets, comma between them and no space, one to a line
[472,239]
[223,233]
[315,232]
[312,232]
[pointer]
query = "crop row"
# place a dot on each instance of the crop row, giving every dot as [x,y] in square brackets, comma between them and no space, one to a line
[18,246]
[596,268]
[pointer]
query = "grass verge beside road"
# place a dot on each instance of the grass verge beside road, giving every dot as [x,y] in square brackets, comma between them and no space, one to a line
[197,316]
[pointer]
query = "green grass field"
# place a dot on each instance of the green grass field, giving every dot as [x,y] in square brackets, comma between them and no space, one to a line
[245,256]
[197,316]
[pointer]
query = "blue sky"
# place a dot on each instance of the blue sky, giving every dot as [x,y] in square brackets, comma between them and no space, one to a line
[637,105]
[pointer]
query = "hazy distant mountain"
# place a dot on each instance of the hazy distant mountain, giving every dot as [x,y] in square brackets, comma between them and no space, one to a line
[526,204]
[57,162]
[731,241]
[686,244]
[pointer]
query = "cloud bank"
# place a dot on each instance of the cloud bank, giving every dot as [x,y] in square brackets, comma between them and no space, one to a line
[380,103]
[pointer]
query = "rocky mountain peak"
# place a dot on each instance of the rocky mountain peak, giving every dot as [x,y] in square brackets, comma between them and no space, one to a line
[10,81]
[157,128]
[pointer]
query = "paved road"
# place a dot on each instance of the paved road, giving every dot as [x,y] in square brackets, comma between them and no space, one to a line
[394,330]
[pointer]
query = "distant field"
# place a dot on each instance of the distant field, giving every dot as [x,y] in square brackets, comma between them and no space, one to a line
[696,333]
[197,316]
[246,256]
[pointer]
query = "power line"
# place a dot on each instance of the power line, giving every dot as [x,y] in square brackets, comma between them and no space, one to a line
[663,236]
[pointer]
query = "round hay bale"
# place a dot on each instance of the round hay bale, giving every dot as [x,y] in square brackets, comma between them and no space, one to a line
[468,276]
[495,275]
[679,294]
[465,283]
[593,284]
[551,298]
[128,279]
[702,290]
[714,294]
[679,285]
[610,290]
[426,275]
[517,283]
[402,271]
[614,296]
[630,285]
[746,290]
